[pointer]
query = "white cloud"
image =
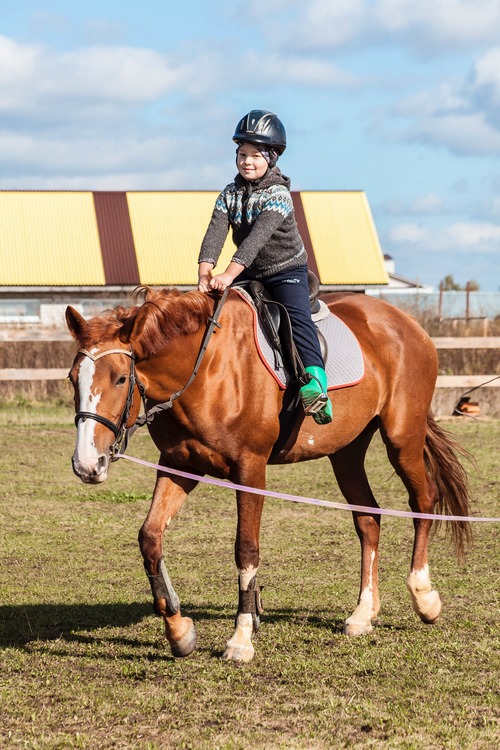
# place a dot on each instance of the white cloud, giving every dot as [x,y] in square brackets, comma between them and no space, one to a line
[327,24]
[427,204]
[82,154]
[469,134]
[436,25]
[459,237]
[407,233]
[447,97]
[484,86]
[122,73]
[33,74]
[469,236]
[487,69]
[105,113]
[467,250]
[461,115]
[455,23]
[308,71]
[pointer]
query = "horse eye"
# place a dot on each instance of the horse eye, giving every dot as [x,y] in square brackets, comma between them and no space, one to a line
[121,380]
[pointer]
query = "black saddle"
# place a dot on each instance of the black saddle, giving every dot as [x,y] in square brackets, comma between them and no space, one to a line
[276,322]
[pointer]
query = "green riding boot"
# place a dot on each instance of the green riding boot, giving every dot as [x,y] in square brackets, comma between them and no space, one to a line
[314,396]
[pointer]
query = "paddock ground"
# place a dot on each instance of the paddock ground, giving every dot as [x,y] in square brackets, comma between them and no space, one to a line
[83,663]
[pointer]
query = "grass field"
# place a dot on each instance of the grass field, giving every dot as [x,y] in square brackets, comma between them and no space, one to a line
[83,663]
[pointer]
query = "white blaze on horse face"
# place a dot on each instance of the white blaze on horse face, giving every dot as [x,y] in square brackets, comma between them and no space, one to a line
[85,451]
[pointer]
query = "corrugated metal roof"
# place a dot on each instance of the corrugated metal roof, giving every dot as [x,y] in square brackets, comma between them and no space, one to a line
[49,239]
[85,239]
[344,238]
[168,229]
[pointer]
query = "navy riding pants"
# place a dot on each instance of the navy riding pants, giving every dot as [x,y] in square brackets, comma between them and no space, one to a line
[291,289]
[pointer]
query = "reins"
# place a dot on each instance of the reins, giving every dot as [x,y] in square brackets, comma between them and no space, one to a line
[120,431]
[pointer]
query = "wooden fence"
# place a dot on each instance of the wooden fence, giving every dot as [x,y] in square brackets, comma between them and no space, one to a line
[36,369]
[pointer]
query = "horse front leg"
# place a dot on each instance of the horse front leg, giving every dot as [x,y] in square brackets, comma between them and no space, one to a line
[368,531]
[240,648]
[168,497]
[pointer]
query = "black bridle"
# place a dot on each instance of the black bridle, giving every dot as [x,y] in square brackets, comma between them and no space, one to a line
[119,429]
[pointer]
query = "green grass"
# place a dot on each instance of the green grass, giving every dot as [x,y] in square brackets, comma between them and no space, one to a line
[83,662]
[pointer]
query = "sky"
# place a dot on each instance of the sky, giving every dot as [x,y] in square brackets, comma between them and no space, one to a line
[398,98]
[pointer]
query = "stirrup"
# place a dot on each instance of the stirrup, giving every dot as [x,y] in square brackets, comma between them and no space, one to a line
[317,404]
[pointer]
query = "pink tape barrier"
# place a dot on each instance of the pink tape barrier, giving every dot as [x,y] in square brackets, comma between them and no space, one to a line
[308,500]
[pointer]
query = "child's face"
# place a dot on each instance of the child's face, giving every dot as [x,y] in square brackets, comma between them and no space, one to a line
[250,162]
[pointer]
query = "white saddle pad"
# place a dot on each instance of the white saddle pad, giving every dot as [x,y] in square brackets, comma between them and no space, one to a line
[344,364]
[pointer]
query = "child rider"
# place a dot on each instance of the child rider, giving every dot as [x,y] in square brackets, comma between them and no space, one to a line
[258,207]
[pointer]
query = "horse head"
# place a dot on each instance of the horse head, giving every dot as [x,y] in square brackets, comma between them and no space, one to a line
[106,390]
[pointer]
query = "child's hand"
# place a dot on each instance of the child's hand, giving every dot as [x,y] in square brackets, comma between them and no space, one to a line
[204,282]
[221,281]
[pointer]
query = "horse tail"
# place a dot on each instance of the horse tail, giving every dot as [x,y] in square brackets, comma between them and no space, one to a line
[441,452]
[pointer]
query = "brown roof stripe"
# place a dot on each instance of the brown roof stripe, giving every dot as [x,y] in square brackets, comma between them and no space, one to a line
[116,238]
[300,218]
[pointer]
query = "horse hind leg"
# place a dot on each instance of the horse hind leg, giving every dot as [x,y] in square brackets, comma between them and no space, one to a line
[168,498]
[348,465]
[425,599]
[406,454]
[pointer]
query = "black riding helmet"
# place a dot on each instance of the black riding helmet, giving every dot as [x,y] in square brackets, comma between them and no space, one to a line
[262,128]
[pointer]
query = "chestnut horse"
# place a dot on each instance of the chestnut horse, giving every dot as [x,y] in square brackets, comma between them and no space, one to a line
[226,423]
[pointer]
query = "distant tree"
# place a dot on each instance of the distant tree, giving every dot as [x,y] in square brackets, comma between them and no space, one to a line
[448,284]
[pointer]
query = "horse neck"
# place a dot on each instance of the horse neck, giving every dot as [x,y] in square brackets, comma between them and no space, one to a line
[167,371]
[170,369]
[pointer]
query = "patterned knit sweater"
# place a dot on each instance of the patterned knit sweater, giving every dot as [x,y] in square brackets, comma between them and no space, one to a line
[263,222]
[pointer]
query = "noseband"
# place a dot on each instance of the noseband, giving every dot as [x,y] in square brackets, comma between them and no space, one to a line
[119,429]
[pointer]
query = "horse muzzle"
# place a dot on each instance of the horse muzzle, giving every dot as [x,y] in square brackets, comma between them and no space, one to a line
[91,471]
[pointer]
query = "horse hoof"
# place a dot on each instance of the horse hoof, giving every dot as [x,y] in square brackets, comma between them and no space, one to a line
[187,643]
[240,654]
[430,607]
[426,600]
[357,628]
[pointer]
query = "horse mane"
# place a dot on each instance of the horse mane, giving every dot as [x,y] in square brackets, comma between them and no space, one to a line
[169,313]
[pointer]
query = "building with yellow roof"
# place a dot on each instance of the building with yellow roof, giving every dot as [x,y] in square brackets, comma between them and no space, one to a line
[99,241]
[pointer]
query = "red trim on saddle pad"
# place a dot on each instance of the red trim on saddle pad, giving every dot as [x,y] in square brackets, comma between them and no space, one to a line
[345,362]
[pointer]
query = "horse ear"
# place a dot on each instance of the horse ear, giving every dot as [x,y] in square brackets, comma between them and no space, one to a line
[135,331]
[76,323]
